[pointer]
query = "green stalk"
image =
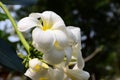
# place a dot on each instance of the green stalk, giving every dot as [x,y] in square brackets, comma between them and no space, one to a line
[24,42]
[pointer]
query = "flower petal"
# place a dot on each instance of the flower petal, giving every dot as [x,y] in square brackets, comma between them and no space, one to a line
[59,74]
[36,75]
[68,52]
[35,15]
[42,40]
[34,62]
[56,74]
[52,19]
[72,38]
[37,69]
[77,54]
[61,38]
[54,56]
[77,74]
[51,74]
[76,33]
[27,23]
[77,47]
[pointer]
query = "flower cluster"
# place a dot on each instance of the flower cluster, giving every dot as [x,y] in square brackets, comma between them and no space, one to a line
[60,45]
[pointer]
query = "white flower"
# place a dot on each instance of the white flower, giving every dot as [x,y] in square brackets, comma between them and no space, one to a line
[41,71]
[56,74]
[49,36]
[75,41]
[37,70]
[55,40]
[76,74]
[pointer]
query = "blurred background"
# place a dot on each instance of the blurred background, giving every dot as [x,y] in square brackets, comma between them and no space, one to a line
[99,21]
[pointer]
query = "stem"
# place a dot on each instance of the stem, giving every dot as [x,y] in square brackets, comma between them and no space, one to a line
[24,42]
[97,50]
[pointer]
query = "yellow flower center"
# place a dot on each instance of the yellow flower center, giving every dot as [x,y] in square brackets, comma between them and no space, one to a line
[43,79]
[37,68]
[45,25]
[56,44]
[44,28]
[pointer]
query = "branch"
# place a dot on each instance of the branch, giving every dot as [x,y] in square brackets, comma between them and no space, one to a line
[24,42]
[97,50]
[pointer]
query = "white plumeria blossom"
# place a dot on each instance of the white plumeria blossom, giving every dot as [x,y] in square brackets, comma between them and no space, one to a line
[75,41]
[55,40]
[41,71]
[76,74]
[37,70]
[49,36]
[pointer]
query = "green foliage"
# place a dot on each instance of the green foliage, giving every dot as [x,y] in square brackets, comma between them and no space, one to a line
[33,53]
[3,16]
[9,58]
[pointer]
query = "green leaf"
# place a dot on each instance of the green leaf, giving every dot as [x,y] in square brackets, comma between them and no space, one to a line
[9,58]
[3,16]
